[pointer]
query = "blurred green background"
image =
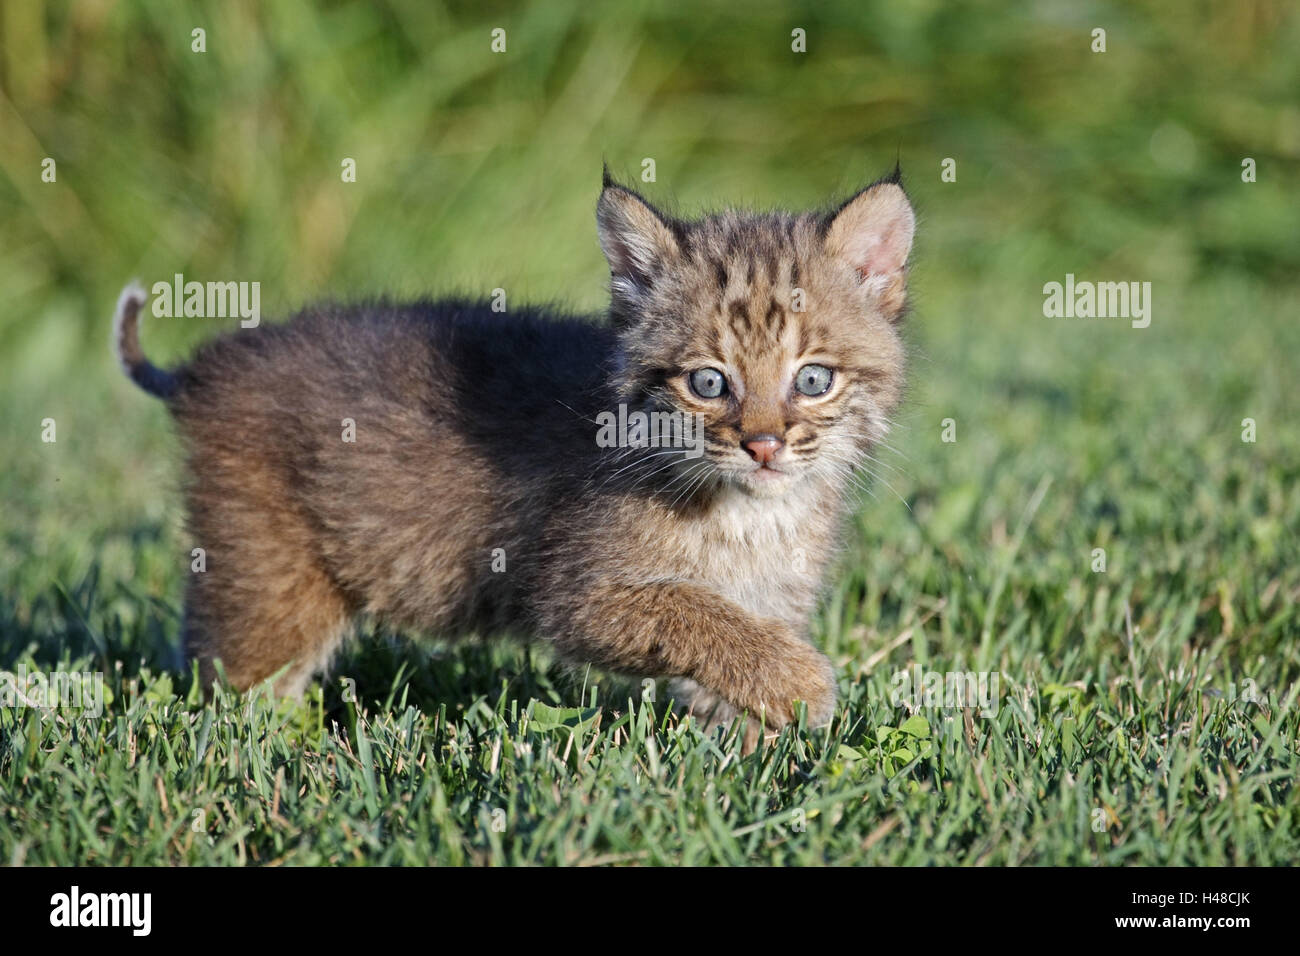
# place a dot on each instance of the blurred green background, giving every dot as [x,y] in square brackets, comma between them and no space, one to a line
[478,170]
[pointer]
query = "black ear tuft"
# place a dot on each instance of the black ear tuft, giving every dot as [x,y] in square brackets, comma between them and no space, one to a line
[893,178]
[637,241]
[872,234]
[606,180]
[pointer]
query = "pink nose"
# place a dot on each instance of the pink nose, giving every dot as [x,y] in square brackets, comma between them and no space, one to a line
[762,448]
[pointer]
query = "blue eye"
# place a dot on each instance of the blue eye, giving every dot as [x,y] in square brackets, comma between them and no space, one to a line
[708,383]
[813,380]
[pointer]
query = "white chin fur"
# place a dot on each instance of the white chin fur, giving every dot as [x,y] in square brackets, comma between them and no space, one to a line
[763,487]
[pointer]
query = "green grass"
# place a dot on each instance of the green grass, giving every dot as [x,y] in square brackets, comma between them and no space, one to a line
[1122,691]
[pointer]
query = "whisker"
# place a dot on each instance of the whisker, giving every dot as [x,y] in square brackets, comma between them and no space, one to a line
[690,488]
[640,461]
[888,447]
[688,472]
[843,459]
[579,414]
[663,467]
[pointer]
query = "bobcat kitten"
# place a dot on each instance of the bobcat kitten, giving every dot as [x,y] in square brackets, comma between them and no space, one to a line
[474,497]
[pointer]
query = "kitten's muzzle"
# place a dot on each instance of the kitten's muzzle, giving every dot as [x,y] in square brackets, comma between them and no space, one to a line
[762,448]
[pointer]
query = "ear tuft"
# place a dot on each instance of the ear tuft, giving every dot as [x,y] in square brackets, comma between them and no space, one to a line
[636,240]
[872,233]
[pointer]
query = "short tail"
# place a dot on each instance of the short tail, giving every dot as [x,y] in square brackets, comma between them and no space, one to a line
[126,343]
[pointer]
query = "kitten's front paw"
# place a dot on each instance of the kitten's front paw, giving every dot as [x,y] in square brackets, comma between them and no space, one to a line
[768,694]
[806,674]
[708,708]
[712,713]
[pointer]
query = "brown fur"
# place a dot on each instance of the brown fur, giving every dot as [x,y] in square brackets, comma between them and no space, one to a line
[476,431]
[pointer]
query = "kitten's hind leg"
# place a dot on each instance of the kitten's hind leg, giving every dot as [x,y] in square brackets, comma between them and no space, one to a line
[262,603]
[289,634]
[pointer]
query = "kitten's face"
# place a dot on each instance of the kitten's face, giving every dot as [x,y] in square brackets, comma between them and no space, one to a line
[778,331]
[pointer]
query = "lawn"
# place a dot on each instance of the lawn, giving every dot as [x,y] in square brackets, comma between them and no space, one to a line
[1104,517]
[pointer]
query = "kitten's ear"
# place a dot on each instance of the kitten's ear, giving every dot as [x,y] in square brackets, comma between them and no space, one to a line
[872,233]
[635,238]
